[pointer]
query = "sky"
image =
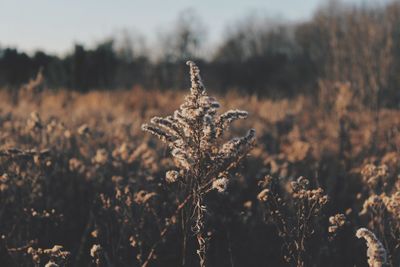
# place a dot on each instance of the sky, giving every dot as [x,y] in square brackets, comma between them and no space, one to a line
[55,25]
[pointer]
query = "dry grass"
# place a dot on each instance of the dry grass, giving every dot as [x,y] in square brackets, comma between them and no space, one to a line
[77,171]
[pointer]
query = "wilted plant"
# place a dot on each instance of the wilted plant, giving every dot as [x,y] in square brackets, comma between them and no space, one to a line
[96,252]
[203,163]
[57,256]
[381,208]
[336,222]
[382,213]
[292,207]
[376,177]
[376,253]
[91,177]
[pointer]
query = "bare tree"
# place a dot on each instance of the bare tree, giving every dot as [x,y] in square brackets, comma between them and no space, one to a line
[185,39]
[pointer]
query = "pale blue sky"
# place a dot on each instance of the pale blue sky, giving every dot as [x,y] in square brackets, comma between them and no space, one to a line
[54,25]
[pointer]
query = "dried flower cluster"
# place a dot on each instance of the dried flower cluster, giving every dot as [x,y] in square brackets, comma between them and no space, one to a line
[376,253]
[316,197]
[375,175]
[392,204]
[373,203]
[381,208]
[292,207]
[336,222]
[57,256]
[193,135]
[96,252]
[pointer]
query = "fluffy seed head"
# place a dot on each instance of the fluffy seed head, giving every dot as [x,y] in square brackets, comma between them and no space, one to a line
[171,176]
[376,253]
[220,184]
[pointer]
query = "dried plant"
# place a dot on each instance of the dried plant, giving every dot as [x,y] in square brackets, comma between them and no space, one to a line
[376,177]
[376,253]
[56,255]
[292,207]
[76,170]
[194,134]
[96,252]
[336,222]
[381,208]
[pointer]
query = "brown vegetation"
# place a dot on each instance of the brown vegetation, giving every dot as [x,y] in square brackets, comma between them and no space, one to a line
[82,185]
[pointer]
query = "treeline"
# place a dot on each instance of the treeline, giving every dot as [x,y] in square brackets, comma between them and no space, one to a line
[360,45]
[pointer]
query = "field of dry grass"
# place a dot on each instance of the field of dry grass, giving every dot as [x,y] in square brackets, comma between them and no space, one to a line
[82,185]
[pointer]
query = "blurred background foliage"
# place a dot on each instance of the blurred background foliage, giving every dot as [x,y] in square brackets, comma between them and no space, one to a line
[257,55]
